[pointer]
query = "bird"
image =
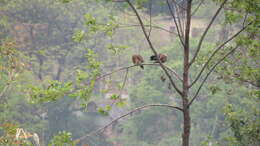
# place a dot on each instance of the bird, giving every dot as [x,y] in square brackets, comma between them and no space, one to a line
[138,60]
[162,58]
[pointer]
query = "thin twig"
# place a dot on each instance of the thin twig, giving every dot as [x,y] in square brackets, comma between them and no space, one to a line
[177,12]
[215,52]
[245,19]
[249,82]
[181,23]
[126,114]
[118,1]
[175,22]
[153,26]
[205,32]
[150,20]
[124,83]
[197,8]
[125,68]
[178,5]
[211,70]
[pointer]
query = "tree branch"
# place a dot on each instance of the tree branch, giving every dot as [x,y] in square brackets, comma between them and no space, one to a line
[126,114]
[178,15]
[197,8]
[152,26]
[249,82]
[177,18]
[152,47]
[178,5]
[123,86]
[175,22]
[215,52]
[125,68]
[211,70]
[205,32]
[150,19]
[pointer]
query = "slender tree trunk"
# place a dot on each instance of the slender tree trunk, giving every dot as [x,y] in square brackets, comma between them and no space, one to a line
[185,100]
[186,126]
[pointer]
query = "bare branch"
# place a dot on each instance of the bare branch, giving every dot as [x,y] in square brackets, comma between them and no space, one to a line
[125,68]
[249,82]
[245,18]
[197,8]
[177,18]
[174,72]
[118,1]
[152,26]
[123,86]
[175,22]
[211,70]
[181,23]
[215,52]
[150,19]
[152,47]
[177,4]
[126,114]
[205,32]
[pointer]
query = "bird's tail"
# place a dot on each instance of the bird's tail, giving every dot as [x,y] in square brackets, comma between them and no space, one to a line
[153,57]
[142,66]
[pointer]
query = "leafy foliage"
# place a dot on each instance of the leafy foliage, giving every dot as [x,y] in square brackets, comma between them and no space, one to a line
[62,139]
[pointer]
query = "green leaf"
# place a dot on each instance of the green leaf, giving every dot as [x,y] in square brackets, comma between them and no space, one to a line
[78,36]
[102,111]
[114,97]
[108,108]
[121,103]
[65,1]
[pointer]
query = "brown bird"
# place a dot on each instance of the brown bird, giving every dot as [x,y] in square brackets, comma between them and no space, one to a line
[138,60]
[162,58]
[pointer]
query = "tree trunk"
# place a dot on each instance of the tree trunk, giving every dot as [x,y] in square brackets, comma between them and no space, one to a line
[185,100]
[186,127]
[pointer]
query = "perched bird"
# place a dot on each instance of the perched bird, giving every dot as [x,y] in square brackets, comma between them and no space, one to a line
[138,60]
[162,58]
